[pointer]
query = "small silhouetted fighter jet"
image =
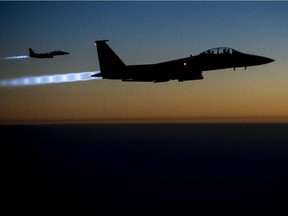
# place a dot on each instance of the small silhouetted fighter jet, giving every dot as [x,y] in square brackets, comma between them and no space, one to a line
[32,54]
[190,68]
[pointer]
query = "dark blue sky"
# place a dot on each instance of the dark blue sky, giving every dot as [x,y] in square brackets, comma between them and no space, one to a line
[143,32]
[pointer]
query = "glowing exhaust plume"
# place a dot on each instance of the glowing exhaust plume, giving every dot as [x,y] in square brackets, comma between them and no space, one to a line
[16,57]
[49,79]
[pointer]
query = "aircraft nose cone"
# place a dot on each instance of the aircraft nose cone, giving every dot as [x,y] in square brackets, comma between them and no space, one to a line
[268,60]
[259,60]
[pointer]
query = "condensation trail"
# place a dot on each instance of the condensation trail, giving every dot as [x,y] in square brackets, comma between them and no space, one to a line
[15,57]
[49,79]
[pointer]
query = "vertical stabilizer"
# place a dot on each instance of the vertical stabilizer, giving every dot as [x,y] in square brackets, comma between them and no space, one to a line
[111,65]
[31,52]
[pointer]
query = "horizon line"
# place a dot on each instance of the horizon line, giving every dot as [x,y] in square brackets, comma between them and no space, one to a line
[188,120]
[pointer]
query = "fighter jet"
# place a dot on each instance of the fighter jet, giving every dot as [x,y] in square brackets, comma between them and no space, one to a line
[189,68]
[32,54]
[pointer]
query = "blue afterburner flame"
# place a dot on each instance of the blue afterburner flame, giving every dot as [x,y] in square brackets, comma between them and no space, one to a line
[49,79]
[16,57]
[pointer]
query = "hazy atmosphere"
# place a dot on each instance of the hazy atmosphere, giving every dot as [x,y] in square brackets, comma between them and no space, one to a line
[140,33]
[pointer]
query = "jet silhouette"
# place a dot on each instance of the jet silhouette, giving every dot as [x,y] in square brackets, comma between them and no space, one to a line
[190,68]
[32,54]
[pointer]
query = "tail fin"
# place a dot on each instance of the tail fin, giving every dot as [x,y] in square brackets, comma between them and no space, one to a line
[111,65]
[31,52]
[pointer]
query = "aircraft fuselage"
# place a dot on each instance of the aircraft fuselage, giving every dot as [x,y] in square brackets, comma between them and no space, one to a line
[32,54]
[189,68]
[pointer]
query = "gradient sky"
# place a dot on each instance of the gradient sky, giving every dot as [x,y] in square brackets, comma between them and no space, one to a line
[143,32]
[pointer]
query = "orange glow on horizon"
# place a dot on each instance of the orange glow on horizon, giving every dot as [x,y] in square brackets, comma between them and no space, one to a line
[199,120]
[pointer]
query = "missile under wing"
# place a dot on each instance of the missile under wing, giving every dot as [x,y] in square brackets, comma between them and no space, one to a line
[189,68]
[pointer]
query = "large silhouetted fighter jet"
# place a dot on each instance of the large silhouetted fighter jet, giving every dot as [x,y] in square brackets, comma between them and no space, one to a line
[46,55]
[190,68]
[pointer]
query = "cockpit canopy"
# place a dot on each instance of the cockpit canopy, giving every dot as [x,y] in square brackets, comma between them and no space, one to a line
[220,50]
